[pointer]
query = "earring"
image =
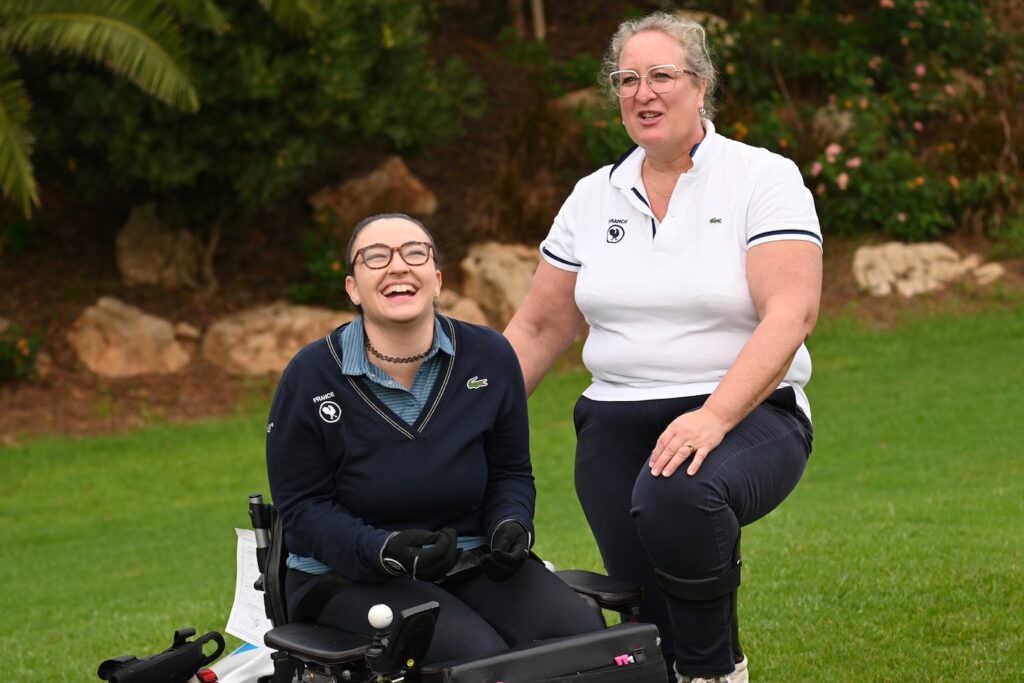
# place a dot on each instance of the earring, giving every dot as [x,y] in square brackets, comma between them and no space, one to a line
[703,112]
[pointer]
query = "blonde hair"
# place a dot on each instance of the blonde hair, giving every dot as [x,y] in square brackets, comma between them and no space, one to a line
[690,36]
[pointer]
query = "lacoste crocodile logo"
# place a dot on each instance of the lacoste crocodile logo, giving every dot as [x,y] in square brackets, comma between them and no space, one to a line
[715,220]
[476,383]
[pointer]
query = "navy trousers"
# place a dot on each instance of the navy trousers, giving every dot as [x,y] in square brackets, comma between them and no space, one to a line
[478,616]
[685,526]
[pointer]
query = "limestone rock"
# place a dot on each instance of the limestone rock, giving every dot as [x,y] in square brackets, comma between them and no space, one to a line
[712,23]
[988,273]
[589,98]
[262,340]
[390,187]
[149,253]
[185,330]
[462,308]
[44,364]
[498,276]
[913,269]
[115,339]
[830,123]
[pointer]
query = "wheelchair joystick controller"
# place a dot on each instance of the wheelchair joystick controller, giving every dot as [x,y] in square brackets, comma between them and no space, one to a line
[400,642]
[380,617]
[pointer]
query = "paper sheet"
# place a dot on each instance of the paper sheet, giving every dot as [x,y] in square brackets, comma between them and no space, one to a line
[247,620]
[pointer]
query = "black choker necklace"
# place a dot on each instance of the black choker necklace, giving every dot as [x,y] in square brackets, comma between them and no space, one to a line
[393,359]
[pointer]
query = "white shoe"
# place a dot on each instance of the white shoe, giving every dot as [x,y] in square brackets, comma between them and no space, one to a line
[737,676]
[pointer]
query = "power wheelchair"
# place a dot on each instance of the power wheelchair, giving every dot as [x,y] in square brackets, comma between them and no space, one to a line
[311,653]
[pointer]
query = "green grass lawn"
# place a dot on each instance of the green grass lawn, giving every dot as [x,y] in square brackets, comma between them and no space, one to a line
[900,555]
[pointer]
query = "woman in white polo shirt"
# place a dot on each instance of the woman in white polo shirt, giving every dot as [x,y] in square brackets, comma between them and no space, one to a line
[696,262]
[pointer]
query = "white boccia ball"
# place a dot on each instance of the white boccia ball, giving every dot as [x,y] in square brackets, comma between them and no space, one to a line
[380,616]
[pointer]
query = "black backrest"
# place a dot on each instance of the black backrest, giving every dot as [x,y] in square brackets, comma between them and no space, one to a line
[273,583]
[271,559]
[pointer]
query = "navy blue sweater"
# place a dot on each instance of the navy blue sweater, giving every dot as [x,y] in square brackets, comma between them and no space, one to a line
[345,471]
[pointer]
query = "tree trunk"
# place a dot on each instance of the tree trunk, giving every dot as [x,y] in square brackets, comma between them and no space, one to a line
[539,21]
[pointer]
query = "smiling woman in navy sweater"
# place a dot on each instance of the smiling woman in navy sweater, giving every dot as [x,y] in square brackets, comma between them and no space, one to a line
[398,444]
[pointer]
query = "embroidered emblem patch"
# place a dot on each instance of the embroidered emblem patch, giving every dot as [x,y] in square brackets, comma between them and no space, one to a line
[476,383]
[615,234]
[330,412]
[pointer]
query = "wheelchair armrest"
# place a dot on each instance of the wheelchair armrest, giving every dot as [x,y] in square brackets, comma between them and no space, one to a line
[320,644]
[617,595]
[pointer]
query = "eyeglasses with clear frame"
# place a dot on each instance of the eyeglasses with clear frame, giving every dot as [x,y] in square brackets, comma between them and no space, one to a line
[377,256]
[661,79]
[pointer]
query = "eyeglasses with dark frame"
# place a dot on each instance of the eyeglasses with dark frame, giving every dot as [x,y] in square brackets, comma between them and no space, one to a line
[661,79]
[377,256]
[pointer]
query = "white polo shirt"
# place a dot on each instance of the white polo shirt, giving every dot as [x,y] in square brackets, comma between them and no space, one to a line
[668,303]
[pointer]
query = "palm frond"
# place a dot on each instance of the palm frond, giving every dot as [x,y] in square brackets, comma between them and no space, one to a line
[295,16]
[135,39]
[17,177]
[202,13]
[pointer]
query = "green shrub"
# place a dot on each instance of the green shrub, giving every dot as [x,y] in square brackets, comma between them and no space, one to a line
[900,88]
[1008,239]
[902,114]
[555,78]
[17,234]
[604,137]
[273,107]
[17,354]
[326,269]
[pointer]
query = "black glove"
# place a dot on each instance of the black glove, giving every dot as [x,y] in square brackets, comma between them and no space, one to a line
[406,553]
[510,544]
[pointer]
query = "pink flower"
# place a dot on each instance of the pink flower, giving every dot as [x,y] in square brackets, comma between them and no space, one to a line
[886,4]
[874,63]
[918,126]
[950,90]
[816,169]
[832,151]
[820,189]
[853,163]
[842,180]
[920,70]
[914,87]
[901,217]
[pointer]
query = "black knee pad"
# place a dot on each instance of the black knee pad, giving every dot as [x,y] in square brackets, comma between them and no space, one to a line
[709,589]
[700,589]
[703,589]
